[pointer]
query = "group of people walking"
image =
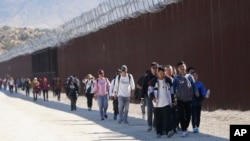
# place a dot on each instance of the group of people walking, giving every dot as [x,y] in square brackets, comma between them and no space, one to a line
[172,96]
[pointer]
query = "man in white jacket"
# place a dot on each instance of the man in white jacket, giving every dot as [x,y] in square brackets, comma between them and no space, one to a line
[124,87]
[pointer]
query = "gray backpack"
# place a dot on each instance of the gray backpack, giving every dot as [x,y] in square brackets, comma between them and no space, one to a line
[184,88]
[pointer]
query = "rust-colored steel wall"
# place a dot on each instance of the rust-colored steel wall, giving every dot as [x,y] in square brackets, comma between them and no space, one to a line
[17,67]
[210,35]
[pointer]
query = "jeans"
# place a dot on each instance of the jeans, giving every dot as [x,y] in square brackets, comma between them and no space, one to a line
[103,104]
[123,105]
[150,110]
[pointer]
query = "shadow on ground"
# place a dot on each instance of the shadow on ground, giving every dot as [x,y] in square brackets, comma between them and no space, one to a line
[136,128]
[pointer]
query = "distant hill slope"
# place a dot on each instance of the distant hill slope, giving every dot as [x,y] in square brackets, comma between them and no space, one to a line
[12,37]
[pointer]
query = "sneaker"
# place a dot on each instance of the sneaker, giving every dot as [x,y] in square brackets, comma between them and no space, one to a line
[158,136]
[197,130]
[115,117]
[170,134]
[120,121]
[184,134]
[149,128]
[102,118]
[106,116]
[126,122]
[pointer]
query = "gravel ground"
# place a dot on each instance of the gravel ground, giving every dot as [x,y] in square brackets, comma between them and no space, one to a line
[22,119]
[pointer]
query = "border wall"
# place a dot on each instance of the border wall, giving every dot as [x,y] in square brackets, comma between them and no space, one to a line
[210,35]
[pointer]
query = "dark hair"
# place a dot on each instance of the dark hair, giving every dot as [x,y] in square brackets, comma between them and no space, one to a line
[190,68]
[180,63]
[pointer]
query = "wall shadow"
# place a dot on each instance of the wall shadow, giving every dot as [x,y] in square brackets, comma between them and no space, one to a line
[135,129]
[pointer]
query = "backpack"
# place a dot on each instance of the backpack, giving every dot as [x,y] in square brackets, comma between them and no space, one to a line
[119,76]
[184,88]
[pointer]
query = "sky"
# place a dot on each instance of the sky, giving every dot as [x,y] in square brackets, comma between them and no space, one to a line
[42,14]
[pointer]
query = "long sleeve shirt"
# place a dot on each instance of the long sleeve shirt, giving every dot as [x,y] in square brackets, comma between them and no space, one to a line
[102,86]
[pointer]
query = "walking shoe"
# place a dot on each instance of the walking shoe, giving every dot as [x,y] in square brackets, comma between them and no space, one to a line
[115,117]
[106,116]
[170,134]
[126,122]
[184,134]
[149,128]
[158,136]
[120,121]
[102,118]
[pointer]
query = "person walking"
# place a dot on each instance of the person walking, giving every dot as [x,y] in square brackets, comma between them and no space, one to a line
[101,89]
[27,84]
[139,86]
[45,88]
[184,89]
[146,84]
[160,93]
[197,102]
[36,88]
[72,89]
[89,81]
[57,87]
[112,95]
[124,88]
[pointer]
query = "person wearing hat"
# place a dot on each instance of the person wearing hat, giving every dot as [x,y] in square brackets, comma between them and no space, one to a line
[160,93]
[124,87]
[101,90]
[144,97]
[89,81]
[184,88]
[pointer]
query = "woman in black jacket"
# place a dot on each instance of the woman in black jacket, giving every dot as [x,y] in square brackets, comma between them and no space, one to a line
[72,89]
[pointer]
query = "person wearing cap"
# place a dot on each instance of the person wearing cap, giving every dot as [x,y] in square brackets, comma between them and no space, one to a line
[112,95]
[146,84]
[89,81]
[101,90]
[160,93]
[184,88]
[124,87]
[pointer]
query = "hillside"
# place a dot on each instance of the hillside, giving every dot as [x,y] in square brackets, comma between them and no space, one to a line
[12,37]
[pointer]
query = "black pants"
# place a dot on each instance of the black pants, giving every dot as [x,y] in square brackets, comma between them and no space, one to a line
[196,114]
[45,95]
[73,103]
[175,119]
[184,113]
[58,94]
[34,95]
[115,106]
[89,99]
[11,88]
[27,91]
[163,119]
